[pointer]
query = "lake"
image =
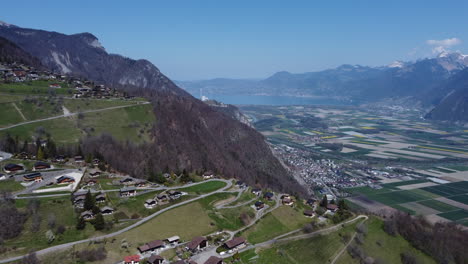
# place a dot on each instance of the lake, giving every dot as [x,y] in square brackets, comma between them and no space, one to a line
[277,100]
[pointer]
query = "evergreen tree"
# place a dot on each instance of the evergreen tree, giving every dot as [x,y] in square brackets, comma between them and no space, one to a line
[51,150]
[81,224]
[342,204]
[25,146]
[324,202]
[40,154]
[99,223]
[89,201]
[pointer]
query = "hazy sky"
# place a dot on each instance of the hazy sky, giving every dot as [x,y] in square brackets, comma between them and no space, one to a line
[253,39]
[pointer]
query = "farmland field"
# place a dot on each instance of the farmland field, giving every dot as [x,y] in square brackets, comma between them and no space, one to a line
[438,205]
[460,198]
[455,215]
[397,197]
[449,189]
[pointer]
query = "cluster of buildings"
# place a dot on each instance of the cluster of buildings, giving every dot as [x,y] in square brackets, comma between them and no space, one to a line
[163,198]
[18,73]
[150,252]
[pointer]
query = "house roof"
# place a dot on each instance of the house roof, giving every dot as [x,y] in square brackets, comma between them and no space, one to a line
[332,206]
[86,213]
[235,242]
[258,203]
[41,163]
[134,258]
[101,195]
[214,260]
[173,238]
[309,212]
[178,262]
[107,208]
[12,166]
[268,194]
[195,242]
[153,258]
[149,201]
[151,245]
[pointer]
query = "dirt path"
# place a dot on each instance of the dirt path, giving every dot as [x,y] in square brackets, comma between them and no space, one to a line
[19,111]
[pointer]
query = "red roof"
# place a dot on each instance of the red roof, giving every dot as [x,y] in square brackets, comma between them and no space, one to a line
[332,206]
[134,258]
[214,260]
[195,242]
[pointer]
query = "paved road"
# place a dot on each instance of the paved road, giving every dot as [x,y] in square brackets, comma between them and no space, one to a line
[70,114]
[142,221]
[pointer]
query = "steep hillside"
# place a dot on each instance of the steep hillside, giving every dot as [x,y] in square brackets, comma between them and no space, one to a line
[188,134]
[10,52]
[451,99]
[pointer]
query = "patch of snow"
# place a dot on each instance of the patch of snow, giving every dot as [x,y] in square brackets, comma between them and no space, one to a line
[396,64]
[4,24]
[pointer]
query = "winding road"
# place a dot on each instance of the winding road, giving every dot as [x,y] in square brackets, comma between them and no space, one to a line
[140,222]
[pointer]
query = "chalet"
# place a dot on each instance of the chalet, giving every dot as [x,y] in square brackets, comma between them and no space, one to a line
[65,180]
[214,260]
[128,191]
[174,194]
[208,175]
[197,244]
[12,168]
[235,243]
[79,159]
[106,210]
[259,205]
[257,191]
[133,259]
[87,215]
[178,262]
[23,155]
[155,259]
[287,200]
[167,175]
[33,177]
[268,195]
[59,158]
[332,207]
[150,203]
[150,246]
[310,201]
[55,85]
[241,184]
[96,162]
[127,181]
[100,198]
[79,198]
[140,183]
[91,182]
[173,239]
[309,213]
[162,197]
[41,166]
[94,173]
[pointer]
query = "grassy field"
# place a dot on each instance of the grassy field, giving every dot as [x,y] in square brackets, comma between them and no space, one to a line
[319,249]
[34,88]
[279,221]
[132,123]
[40,108]
[205,187]
[77,105]
[438,205]
[10,185]
[379,244]
[9,115]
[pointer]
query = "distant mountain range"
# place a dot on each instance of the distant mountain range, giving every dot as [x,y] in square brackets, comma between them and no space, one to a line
[421,80]
[188,134]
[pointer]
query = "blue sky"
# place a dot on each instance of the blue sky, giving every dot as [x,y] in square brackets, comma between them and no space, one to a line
[191,40]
